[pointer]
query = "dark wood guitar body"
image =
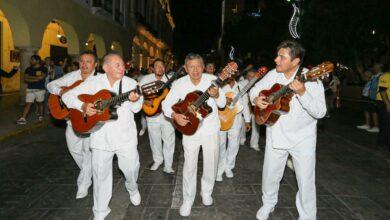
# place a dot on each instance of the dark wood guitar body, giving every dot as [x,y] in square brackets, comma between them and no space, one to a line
[185,107]
[57,108]
[84,124]
[272,113]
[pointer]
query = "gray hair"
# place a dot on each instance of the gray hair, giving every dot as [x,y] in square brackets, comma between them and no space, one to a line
[110,54]
[193,56]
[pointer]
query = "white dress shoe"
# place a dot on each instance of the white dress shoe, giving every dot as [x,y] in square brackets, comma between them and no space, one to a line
[229,173]
[185,208]
[219,178]
[155,166]
[373,130]
[264,212]
[135,199]
[364,127]
[255,147]
[81,193]
[207,200]
[168,170]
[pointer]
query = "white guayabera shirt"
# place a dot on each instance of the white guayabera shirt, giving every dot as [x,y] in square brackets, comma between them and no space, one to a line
[300,124]
[115,134]
[181,87]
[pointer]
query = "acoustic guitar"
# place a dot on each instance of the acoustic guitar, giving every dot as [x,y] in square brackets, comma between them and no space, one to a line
[105,102]
[156,92]
[228,114]
[57,108]
[279,96]
[194,106]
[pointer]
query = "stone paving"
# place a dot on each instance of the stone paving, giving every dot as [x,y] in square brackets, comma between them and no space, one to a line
[10,112]
[38,181]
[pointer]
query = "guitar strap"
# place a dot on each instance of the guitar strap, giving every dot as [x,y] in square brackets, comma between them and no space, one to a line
[299,73]
[166,76]
[119,93]
[120,88]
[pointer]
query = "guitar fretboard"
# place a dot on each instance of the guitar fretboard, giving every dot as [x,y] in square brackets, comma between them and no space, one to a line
[286,89]
[173,78]
[245,89]
[199,102]
[117,99]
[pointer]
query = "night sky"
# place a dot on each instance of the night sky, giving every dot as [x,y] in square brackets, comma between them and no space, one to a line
[329,29]
[198,24]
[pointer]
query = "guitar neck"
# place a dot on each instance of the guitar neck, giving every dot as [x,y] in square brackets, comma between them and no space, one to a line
[173,78]
[119,98]
[199,102]
[286,89]
[245,89]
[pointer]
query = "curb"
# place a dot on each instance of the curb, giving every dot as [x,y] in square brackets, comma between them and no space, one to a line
[26,130]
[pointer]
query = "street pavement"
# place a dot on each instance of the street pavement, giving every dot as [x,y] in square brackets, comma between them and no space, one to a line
[38,179]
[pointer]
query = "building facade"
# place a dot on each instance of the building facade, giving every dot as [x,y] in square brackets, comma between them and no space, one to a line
[64,28]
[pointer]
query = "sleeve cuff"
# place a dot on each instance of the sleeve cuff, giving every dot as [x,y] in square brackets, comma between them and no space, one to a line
[168,113]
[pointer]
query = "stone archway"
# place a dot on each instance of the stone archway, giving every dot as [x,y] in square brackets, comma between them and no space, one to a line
[18,24]
[71,36]
[96,43]
[117,47]
[54,42]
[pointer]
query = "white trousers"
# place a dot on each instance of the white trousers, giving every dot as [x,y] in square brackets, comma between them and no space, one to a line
[128,162]
[191,147]
[162,141]
[228,150]
[143,121]
[79,148]
[303,157]
[255,136]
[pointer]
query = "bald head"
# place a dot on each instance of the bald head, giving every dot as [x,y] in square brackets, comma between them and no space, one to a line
[114,66]
[109,56]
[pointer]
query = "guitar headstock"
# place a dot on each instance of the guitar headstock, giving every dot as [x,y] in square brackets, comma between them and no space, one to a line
[229,70]
[320,71]
[261,71]
[151,89]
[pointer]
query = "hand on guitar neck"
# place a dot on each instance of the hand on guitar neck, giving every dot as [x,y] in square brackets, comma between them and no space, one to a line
[182,120]
[274,102]
[134,96]
[214,92]
[298,87]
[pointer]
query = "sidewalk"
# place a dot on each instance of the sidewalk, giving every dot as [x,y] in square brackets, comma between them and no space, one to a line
[10,112]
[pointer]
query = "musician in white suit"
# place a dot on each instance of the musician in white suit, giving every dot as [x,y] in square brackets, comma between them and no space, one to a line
[229,141]
[295,133]
[160,128]
[206,135]
[255,135]
[78,145]
[117,137]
